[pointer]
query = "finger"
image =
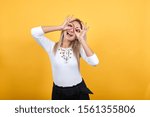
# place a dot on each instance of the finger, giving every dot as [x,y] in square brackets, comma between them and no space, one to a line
[82,25]
[68,28]
[70,25]
[66,20]
[76,34]
[70,17]
[85,26]
[67,17]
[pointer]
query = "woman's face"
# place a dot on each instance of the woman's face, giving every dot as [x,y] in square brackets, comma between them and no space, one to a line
[70,34]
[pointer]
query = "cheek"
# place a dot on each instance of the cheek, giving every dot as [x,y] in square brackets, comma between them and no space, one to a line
[74,37]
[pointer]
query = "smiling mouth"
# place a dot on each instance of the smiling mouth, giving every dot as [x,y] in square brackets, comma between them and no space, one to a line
[69,34]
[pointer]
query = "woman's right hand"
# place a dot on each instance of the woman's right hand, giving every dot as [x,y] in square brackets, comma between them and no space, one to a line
[67,25]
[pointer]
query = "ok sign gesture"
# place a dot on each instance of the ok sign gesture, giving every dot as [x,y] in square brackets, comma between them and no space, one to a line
[81,33]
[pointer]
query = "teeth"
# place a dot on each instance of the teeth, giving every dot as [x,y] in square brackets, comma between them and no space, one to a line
[69,34]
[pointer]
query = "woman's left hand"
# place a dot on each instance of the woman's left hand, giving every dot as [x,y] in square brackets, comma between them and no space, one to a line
[81,33]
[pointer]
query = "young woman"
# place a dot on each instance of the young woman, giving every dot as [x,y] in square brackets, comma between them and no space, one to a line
[65,54]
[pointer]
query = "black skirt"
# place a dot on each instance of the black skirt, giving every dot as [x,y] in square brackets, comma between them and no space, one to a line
[77,92]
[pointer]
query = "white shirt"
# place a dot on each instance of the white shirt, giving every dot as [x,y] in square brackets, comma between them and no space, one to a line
[64,64]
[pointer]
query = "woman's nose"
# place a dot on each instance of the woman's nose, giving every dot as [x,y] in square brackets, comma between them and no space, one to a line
[72,29]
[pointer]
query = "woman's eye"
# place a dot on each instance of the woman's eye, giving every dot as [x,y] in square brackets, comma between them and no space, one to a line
[77,30]
[69,25]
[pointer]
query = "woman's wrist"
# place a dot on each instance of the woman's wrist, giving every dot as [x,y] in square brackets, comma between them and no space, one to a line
[81,40]
[60,27]
[47,29]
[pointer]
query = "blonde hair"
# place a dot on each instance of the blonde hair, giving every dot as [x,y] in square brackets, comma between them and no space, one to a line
[75,44]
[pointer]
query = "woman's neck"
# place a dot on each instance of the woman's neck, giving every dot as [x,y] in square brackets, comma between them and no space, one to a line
[66,43]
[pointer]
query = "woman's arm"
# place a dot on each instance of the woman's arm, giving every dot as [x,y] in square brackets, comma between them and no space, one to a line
[39,31]
[38,34]
[47,29]
[81,36]
[86,48]
[64,26]
[87,54]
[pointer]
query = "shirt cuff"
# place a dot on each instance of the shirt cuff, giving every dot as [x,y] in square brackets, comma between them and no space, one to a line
[37,30]
[93,60]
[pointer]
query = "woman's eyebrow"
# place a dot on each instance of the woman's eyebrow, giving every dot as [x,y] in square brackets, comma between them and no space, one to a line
[74,26]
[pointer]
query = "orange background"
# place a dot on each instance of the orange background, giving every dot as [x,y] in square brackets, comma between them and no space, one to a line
[119,34]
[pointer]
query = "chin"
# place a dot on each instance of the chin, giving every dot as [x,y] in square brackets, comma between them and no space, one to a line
[70,39]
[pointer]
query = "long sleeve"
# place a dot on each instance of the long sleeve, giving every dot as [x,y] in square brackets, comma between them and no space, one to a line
[38,35]
[91,60]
